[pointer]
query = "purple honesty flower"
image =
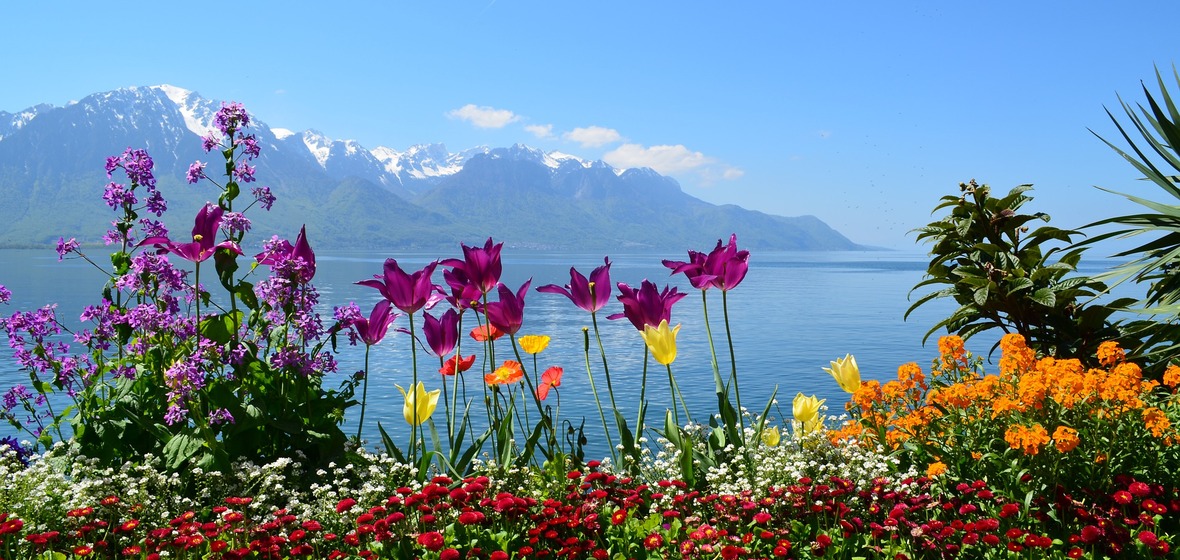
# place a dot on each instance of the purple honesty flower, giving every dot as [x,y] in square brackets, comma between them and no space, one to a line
[15,447]
[481,265]
[65,247]
[208,142]
[117,196]
[155,203]
[264,197]
[137,164]
[249,145]
[723,268]
[5,295]
[590,295]
[281,251]
[204,234]
[374,328]
[220,416]
[153,228]
[232,116]
[647,305]
[196,172]
[407,292]
[244,172]
[235,222]
[508,313]
[443,333]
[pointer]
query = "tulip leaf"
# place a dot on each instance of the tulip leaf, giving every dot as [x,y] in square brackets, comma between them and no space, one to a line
[463,465]
[530,445]
[390,447]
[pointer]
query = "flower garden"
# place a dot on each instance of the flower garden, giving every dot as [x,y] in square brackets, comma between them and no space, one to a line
[198,413]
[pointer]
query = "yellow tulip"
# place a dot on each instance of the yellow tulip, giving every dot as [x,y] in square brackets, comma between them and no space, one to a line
[806,412]
[534,343]
[846,372]
[661,341]
[420,403]
[771,436]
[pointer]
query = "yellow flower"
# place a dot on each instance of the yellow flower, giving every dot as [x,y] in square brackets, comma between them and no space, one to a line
[846,372]
[534,343]
[771,436]
[420,404]
[661,341]
[806,412]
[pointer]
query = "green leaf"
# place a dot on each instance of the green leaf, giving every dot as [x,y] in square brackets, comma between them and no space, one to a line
[1045,296]
[980,295]
[180,448]
[1019,284]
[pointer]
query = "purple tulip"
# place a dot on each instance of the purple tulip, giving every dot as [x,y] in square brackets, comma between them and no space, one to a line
[723,268]
[508,313]
[592,294]
[407,292]
[647,305]
[283,251]
[464,293]
[443,333]
[373,329]
[481,265]
[204,234]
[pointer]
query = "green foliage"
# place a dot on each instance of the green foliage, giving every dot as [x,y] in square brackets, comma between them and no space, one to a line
[1004,275]
[171,370]
[1155,262]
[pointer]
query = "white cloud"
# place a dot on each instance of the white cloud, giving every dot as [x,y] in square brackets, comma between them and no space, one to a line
[593,136]
[484,117]
[664,159]
[732,173]
[673,160]
[540,130]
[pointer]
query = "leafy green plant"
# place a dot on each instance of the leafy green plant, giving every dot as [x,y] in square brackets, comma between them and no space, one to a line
[1005,275]
[1153,262]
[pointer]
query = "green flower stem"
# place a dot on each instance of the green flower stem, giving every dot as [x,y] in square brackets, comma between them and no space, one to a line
[364,395]
[606,430]
[732,358]
[676,394]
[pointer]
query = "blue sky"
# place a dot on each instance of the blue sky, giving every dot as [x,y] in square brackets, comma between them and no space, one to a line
[860,113]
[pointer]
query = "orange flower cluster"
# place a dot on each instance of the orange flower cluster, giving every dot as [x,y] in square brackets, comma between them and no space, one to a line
[1110,354]
[1172,376]
[1028,399]
[1065,439]
[953,352]
[1029,438]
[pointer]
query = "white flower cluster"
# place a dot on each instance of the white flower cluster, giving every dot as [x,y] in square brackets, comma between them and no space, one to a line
[758,465]
[62,480]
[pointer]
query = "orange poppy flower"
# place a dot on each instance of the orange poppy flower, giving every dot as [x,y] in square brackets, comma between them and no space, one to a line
[457,364]
[551,378]
[510,372]
[484,333]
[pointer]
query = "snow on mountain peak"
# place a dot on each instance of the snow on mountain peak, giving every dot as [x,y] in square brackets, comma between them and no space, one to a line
[281,133]
[319,145]
[178,96]
[189,104]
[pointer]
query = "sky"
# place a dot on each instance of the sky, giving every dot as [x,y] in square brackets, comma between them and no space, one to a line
[862,114]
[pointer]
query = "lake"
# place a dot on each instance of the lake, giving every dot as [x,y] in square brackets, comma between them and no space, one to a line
[793,313]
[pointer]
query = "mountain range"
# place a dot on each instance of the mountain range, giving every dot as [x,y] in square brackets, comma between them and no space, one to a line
[422,198]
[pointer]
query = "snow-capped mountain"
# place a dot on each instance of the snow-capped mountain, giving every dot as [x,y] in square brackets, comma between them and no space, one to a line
[52,177]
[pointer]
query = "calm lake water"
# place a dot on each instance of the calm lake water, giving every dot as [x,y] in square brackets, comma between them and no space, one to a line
[794,313]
